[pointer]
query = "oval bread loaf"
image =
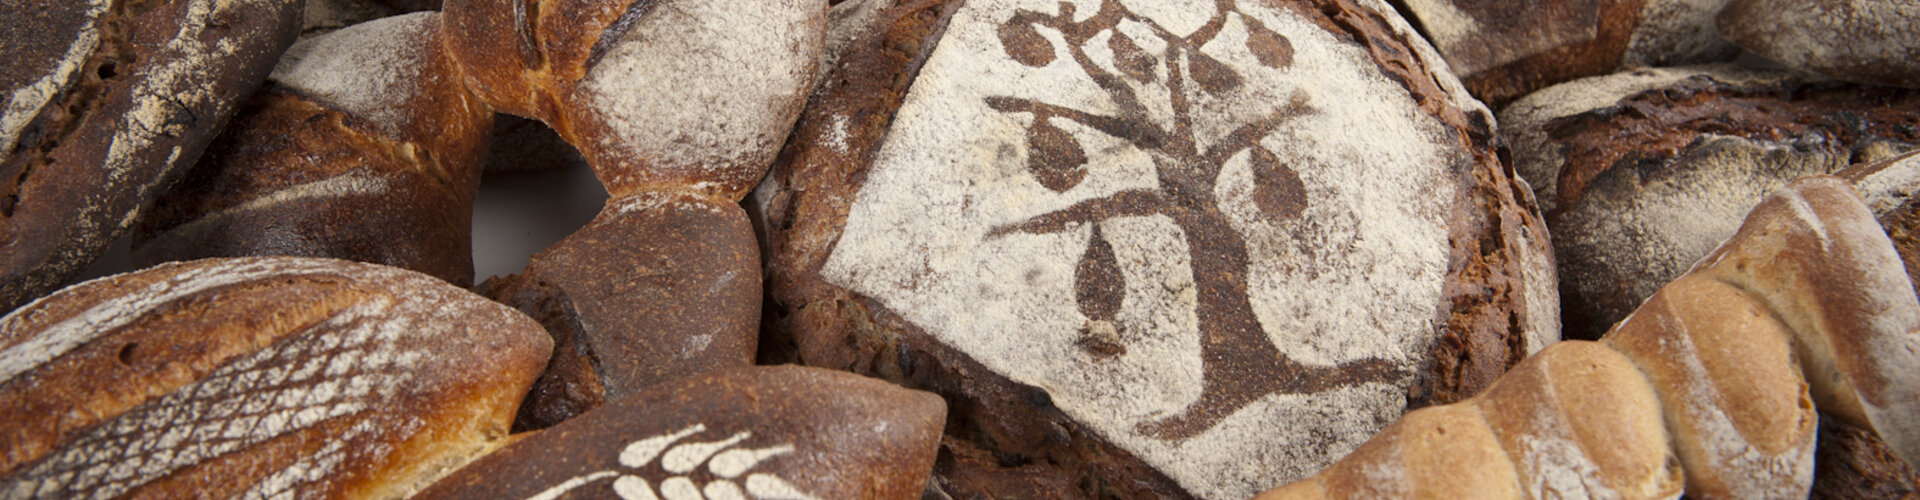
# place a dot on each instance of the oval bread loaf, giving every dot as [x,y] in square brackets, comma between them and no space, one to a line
[257,377]
[108,101]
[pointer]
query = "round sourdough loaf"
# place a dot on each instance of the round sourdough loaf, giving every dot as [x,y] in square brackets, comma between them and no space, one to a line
[1149,248]
[256,377]
[765,432]
[1867,41]
[1502,52]
[106,102]
[1641,173]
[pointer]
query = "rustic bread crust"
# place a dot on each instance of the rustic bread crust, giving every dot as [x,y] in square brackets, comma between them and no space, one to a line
[138,93]
[1865,41]
[364,148]
[257,376]
[750,432]
[1642,173]
[1015,440]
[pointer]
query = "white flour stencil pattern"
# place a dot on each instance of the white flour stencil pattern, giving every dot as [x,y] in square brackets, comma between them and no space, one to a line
[729,466]
[1202,219]
[255,377]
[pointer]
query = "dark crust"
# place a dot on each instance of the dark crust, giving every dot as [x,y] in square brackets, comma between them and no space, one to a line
[282,139]
[1852,463]
[1660,125]
[851,437]
[1007,439]
[63,210]
[626,295]
[1502,84]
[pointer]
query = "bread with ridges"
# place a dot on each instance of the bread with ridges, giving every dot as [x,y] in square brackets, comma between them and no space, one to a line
[256,376]
[363,147]
[1740,350]
[108,102]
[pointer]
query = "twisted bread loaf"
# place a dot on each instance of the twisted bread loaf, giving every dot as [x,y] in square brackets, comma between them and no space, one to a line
[371,143]
[1711,383]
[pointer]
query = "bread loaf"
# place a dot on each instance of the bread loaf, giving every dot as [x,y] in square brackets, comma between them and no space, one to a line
[108,102]
[1738,352]
[1866,41]
[1642,173]
[1121,236]
[365,147]
[1503,53]
[770,432]
[1889,186]
[256,377]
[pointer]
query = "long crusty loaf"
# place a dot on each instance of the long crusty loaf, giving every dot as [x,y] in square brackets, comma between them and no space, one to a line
[256,377]
[1808,303]
[364,146]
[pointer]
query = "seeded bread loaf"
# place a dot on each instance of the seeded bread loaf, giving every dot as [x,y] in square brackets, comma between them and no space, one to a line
[1121,236]
[256,377]
[107,103]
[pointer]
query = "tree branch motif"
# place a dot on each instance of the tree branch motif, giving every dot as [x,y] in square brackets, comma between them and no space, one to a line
[1240,363]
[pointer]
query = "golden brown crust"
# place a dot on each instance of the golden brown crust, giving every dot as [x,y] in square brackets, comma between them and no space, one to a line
[257,375]
[1743,424]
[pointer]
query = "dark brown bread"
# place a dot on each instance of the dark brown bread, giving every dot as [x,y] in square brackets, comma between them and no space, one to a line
[752,432]
[228,377]
[365,147]
[1866,41]
[109,101]
[658,287]
[1503,53]
[1852,463]
[1642,173]
[905,140]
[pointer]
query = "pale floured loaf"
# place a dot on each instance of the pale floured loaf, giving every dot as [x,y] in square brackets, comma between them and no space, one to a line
[256,377]
[107,102]
[1867,41]
[1641,173]
[1126,238]
[1502,52]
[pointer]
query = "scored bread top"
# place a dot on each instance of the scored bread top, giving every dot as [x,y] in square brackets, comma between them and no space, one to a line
[256,375]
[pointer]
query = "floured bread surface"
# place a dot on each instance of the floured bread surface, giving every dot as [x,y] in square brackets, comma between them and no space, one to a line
[133,100]
[1867,41]
[1098,202]
[371,70]
[256,377]
[702,89]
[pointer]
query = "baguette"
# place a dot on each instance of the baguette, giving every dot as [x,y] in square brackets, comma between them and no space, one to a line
[1806,304]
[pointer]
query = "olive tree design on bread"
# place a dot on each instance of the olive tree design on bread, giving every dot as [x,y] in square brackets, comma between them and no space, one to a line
[1239,363]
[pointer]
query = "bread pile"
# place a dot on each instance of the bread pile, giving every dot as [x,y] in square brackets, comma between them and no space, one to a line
[1005,249]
